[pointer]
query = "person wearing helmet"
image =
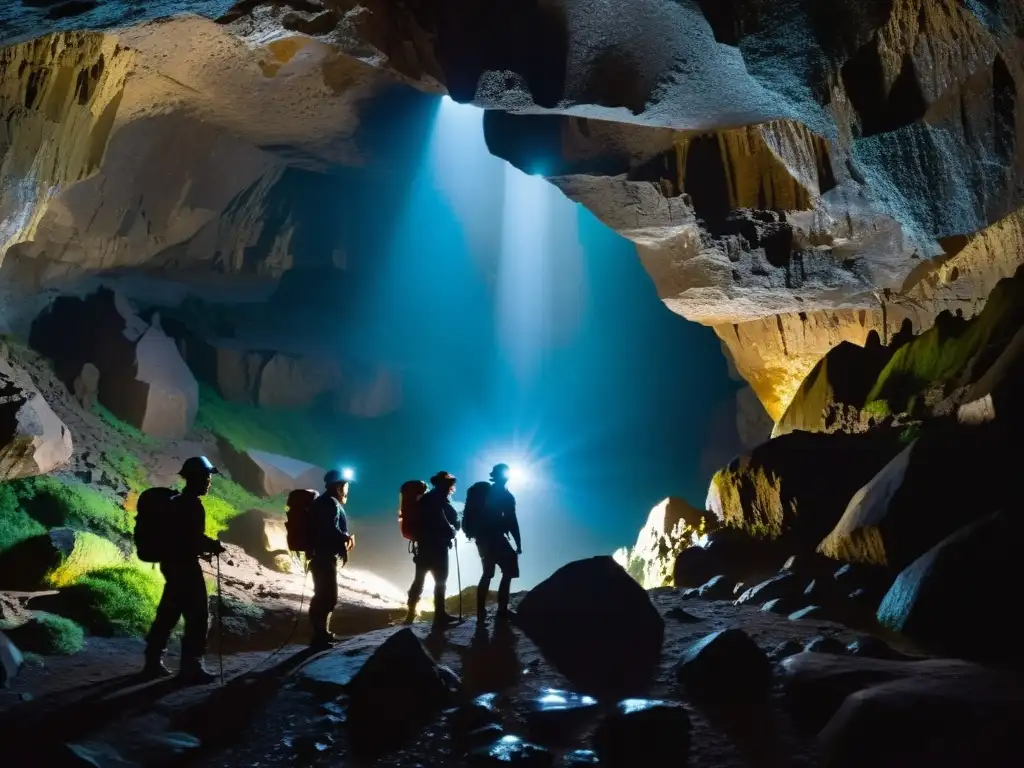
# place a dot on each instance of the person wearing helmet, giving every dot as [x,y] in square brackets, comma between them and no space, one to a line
[184,594]
[328,532]
[499,521]
[438,523]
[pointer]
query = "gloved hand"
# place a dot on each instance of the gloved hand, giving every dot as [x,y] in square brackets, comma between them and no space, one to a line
[519,550]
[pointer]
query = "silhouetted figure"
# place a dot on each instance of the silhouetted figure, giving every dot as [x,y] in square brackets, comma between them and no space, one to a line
[497,522]
[329,540]
[437,522]
[184,594]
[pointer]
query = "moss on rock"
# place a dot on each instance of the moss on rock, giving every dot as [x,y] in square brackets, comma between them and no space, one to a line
[117,601]
[48,635]
[796,487]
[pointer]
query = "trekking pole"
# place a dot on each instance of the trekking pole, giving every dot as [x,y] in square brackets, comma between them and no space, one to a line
[220,624]
[458,575]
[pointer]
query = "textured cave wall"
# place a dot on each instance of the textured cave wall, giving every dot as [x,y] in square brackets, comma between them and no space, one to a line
[773,161]
[793,173]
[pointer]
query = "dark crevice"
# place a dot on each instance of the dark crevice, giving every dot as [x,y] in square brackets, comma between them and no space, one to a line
[710,192]
[1004,108]
[727,20]
[663,167]
[533,44]
[880,109]
[826,176]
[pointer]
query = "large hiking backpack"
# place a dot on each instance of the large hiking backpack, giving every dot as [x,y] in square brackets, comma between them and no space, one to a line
[409,507]
[475,510]
[152,517]
[297,520]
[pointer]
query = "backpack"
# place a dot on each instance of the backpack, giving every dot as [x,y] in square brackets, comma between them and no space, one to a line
[152,514]
[473,520]
[409,506]
[297,519]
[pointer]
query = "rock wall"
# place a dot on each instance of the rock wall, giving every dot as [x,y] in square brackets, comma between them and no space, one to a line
[791,177]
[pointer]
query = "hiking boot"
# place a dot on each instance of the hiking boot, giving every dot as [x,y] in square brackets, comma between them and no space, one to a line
[194,672]
[323,642]
[445,619]
[155,669]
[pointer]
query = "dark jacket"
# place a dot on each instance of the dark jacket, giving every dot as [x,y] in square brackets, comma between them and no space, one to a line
[501,515]
[328,527]
[438,521]
[187,533]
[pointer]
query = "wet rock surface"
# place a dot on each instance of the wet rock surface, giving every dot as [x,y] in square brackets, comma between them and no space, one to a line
[300,708]
[978,560]
[659,730]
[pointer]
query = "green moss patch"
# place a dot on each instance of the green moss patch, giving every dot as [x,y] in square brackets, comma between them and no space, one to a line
[124,429]
[16,525]
[118,601]
[91,553]
[947,350]
[48,635]
[55,501]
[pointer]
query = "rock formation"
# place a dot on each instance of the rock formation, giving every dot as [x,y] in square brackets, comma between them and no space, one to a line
[671,526]
[142,380]
[33,440]
[267,474]
[792,202]
[974,560]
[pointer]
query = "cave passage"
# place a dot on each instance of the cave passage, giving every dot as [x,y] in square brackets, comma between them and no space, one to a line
[526,331]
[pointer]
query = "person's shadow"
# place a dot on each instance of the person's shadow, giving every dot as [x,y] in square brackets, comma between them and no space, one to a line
[491,663]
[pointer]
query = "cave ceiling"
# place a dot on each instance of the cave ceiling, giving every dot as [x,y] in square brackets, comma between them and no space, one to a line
[794,173]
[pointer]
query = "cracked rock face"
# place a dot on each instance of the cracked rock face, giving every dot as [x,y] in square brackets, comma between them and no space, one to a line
[794,176]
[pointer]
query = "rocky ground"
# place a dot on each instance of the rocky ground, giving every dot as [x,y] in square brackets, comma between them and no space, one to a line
[733,685]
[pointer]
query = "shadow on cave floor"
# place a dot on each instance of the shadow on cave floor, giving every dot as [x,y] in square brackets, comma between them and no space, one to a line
[67,698]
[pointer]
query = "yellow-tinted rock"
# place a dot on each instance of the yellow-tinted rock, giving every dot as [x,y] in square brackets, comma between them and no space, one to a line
[672,525]
[796,487]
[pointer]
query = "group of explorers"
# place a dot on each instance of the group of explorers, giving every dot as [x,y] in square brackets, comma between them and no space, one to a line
[170,530]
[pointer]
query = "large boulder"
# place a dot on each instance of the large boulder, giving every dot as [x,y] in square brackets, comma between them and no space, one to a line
[269,474]
[946,478]
[142,377]
[835,391]
[33,441]
[672,526]
[974,718]
[725,664]
[596,625]
[815,685]
[938,370]
[794,488]
[730,552]
[996,393]
[659,731]
[975,570]
[396,688]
